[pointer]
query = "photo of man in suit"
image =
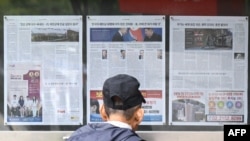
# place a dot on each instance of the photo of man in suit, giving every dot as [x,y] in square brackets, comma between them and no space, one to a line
[159,53]
[141,54]
[104,54]
[123,54]
[150,35]
[118,36]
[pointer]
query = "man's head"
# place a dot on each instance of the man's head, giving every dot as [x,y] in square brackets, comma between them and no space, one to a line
[122,100]
[123,30]
[123,53]
[149,32]
[104,53]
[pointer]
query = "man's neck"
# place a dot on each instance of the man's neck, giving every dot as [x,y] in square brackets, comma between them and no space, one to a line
[118,118]
[120,124]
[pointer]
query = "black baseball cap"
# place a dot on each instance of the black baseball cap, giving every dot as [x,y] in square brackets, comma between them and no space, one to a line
[125,87]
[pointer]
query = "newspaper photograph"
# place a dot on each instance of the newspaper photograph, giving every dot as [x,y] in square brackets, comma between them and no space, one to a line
[133,45]
[208,70]
[43,70]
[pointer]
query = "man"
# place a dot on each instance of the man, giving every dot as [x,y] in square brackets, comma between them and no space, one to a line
[28,108]
[150,35]
[141,55]
[118,36]
[104,54]
[14,106]
[123,54]
[121,110]
[159,54]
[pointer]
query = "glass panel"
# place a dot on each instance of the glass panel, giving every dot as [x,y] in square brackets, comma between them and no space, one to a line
[86,8]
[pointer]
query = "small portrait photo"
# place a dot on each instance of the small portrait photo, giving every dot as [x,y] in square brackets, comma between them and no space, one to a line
[123,54]
[141,54]
[151,35]
[159,54]
[119,35]
[104,54]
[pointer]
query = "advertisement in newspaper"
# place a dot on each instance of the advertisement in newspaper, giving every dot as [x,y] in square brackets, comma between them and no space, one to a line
[208,70]
[133,45]
[43,70]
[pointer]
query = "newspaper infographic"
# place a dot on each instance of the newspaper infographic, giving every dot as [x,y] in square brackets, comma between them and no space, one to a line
[208,70]
[43,70]
[133,45]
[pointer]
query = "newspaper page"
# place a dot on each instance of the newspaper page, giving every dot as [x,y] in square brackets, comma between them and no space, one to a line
[43,70]
[208,70]
[133,45]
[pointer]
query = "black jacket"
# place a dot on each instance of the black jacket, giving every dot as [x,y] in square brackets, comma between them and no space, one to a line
[117,37]
[154,37]
[103,132]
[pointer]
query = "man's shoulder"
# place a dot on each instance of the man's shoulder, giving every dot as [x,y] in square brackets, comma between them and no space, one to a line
[103,131]
[127,135]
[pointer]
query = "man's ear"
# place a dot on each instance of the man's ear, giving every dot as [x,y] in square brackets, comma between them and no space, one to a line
[139,115]
[103,113]
[137,119]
